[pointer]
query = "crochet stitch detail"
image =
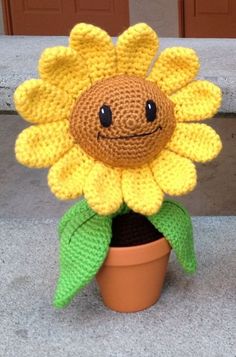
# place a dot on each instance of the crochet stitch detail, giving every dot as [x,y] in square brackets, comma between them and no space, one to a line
[84,242]
[130,140]
[175,223]
[68,135]
[85,238]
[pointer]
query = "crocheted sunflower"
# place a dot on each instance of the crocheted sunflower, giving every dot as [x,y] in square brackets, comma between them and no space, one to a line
[112,126]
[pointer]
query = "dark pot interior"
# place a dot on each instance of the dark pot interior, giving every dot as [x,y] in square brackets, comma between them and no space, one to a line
[133,229]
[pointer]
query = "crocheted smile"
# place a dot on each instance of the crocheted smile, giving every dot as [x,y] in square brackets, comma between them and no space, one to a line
[128,121]
[111,126]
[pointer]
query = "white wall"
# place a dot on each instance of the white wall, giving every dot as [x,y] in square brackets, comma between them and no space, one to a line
[162,15]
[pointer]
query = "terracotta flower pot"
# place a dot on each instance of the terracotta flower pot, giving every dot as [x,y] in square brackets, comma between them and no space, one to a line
[131,278]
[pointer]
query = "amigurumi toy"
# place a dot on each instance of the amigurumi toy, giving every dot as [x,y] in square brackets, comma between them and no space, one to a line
[118,129]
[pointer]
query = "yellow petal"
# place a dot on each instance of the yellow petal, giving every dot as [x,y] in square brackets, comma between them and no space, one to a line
[95,46]
[174,68]
[67,176]
[198,142]
[175,175]
[135,50]
[197,101]
[64,68]
[103,189]
[40,102]
[141,192]
[42,145]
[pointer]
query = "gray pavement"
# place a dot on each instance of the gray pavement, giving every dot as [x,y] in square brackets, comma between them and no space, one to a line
[20,54]
[23,192]
[195,315]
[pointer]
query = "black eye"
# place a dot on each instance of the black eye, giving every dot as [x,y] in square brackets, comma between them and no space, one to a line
[151,110]
[105,115]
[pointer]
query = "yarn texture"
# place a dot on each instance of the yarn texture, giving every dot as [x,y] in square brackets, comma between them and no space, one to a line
[175,223]
[85,237]
[130,140]
[84,242]
[113,127]
[121,129]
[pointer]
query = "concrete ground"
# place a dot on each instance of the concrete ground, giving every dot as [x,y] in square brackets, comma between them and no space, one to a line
[195,315]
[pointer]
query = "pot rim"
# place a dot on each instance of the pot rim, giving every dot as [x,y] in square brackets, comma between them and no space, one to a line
[138,254]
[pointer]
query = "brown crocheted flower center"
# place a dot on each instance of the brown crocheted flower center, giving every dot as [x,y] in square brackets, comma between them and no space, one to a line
[123,121]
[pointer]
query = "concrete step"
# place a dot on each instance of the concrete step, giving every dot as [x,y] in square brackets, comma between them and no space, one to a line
[194,316]
[20,54]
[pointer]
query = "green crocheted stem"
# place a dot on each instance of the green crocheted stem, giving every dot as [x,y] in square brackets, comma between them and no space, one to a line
[84,243]
[85,237]
[174,222]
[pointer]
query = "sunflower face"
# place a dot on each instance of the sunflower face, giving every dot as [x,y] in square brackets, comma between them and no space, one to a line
[123,121]
[113,129]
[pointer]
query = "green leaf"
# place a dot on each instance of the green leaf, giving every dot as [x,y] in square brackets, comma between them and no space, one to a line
[76,215]
[174,222]
[84,242]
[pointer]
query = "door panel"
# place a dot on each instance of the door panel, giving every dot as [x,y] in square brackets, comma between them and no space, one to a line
[93,5]
[57,17]
[43,5]
[210,18]
[212,7]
